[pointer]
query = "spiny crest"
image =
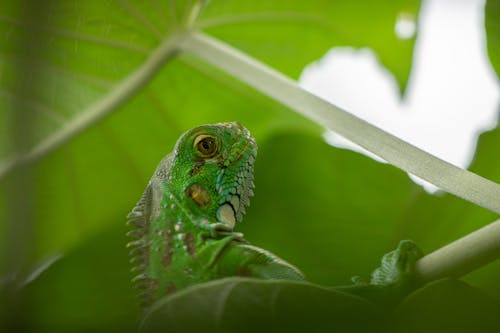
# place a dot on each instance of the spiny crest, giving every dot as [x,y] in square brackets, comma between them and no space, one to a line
[139,247]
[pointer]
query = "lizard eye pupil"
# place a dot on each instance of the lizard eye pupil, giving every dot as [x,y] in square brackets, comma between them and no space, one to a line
[207,146]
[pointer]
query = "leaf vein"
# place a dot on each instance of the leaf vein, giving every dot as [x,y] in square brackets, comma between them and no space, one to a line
[140,17]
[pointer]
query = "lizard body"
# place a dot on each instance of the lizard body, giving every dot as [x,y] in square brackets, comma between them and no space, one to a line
[185,218]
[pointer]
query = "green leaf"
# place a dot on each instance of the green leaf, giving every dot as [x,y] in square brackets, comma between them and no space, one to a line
[251,305]
[447,306]
[492,24]
[349,210]
[86,49]
[332,212]
[290,34]
[88,290]
[93,48]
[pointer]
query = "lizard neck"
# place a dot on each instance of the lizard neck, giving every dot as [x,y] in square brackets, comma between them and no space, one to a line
[176,216]
[173,241]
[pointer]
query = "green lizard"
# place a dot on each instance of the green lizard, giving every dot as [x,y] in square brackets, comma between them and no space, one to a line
[185,218]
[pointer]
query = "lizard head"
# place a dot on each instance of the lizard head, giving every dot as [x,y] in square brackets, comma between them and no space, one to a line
[212,170]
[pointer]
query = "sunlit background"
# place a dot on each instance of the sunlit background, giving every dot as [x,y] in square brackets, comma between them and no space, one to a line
[452,94]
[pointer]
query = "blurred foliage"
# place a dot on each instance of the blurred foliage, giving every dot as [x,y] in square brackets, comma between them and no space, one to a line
[492,23]
[88,290]
[446,306]
[91,46]
[289,34]
[364,210]
[331,212]
[250,305]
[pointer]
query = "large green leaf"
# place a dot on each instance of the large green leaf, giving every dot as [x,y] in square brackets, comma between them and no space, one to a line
[492,24]
[330,211]
[250,305]
[338,220]
[92,48]
[446,306]
[88,290]
[290,34]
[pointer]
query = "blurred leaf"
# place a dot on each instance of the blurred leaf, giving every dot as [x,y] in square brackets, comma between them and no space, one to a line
[92,46]
[331,212]
[334,213]
[447,306]
[89,47]
[290,34]
[88,290]
[250,305]
[492,24]
[486,160]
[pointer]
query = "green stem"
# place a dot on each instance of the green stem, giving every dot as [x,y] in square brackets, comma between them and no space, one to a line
[399,153]
[462,256]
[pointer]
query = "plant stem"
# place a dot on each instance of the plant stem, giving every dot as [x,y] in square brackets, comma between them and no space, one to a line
[399,153]
[97,111]
[455,259]
[462,256]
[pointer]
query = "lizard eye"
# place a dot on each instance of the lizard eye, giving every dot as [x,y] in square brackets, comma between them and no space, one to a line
[206,145]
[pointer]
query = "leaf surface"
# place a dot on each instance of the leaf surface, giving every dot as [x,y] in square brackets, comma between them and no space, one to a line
[492,24]
[93,48]
[251,305]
